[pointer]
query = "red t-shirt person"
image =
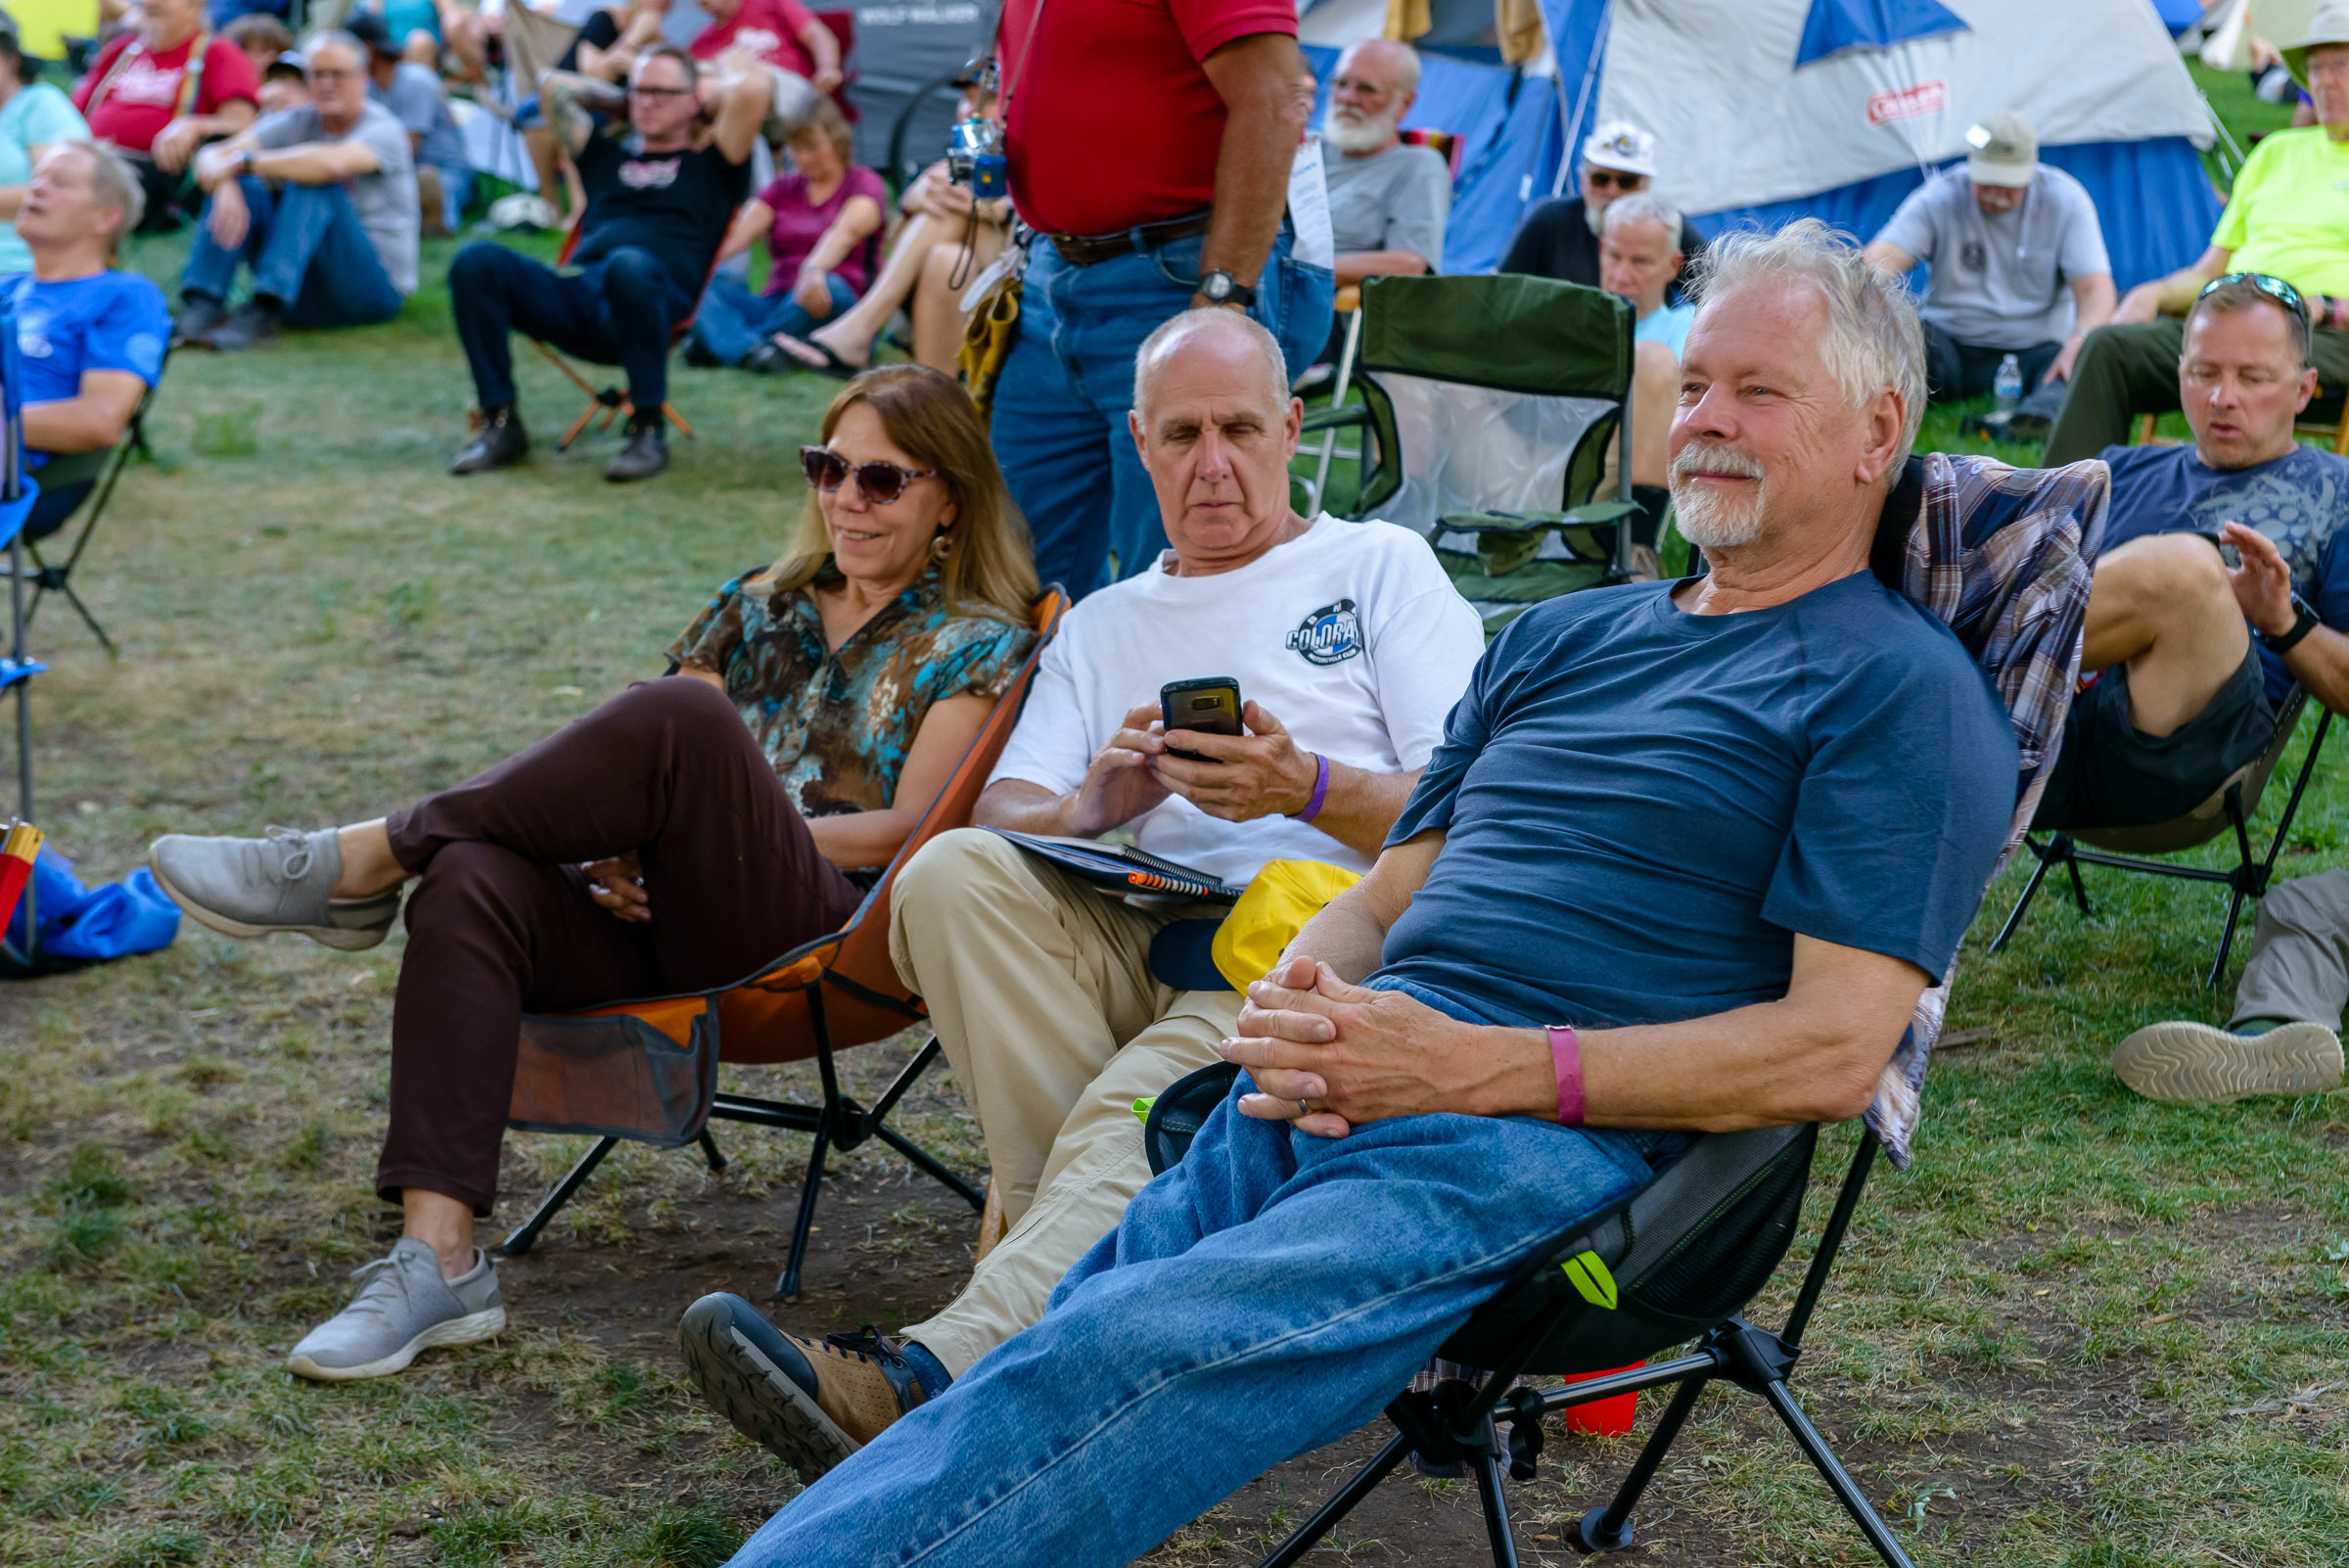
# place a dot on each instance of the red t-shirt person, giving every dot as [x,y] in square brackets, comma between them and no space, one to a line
[767,28]
[1110,120]
[150,91]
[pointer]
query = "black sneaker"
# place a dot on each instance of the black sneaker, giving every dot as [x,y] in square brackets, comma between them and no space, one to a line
[811,1402]
[501,443]
[198,317]
[647,451]
[699,356]
[249,326]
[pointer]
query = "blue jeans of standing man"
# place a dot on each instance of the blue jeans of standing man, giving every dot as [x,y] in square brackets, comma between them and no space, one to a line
[732,320]
[1060,407]
[615,310]
[308,251]
[1265,1297]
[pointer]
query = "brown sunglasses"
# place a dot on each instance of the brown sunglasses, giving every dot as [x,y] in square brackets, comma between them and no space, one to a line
[881,483]
[1607,179]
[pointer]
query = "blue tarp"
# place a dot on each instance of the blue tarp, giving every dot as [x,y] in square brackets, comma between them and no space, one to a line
[1834,26]
[120,918]
[2179,15]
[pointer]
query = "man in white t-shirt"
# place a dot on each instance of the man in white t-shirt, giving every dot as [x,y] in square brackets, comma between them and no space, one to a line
[1350,647]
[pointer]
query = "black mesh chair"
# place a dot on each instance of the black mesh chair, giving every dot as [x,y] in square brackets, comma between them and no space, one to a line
[79,483]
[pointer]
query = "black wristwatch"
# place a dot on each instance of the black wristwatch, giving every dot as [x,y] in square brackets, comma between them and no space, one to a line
[2304,622]
[1217,288]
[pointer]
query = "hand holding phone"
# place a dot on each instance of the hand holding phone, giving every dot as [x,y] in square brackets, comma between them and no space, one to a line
[1209,706]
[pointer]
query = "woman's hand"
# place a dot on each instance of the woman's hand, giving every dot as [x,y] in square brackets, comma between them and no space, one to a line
[813,292]
[617,885]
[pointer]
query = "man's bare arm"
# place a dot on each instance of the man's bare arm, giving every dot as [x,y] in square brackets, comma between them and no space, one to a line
[94,417]
[739,104]
[1257,78]
[1354,265]
[1350,933]
[564,97]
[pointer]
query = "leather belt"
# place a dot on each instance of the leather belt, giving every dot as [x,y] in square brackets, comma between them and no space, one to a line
[1086,249]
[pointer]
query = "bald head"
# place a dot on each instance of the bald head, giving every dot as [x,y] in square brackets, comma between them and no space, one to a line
[1391,65]
[1227,346]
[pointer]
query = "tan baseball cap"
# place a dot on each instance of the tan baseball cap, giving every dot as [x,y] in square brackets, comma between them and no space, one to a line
[2006,151]
[2329,25]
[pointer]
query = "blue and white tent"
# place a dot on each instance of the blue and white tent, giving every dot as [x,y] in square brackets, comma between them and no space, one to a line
[1770,109]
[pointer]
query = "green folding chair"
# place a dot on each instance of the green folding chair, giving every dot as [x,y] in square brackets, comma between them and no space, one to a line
[1487,408]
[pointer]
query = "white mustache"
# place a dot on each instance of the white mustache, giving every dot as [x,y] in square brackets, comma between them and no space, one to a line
[1698,457]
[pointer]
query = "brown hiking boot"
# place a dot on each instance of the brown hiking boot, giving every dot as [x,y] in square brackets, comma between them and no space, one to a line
[811,1402]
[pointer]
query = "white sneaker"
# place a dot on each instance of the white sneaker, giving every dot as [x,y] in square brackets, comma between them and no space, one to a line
[2197,1063]
[403,1305]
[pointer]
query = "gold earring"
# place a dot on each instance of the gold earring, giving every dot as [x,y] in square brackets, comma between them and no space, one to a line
[940,547]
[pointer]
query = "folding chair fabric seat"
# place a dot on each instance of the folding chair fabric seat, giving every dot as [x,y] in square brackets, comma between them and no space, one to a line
[80,484]
[646,1070]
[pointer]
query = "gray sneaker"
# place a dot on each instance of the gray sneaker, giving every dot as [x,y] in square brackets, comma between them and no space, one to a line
[2192,1062]
[255,886]
[403,1305]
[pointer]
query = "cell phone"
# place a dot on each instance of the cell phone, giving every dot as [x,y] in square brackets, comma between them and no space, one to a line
[1209,706]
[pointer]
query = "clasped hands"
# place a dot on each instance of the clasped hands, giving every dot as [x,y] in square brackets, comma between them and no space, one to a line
[617,884]
[1327,1056]
[1262,773]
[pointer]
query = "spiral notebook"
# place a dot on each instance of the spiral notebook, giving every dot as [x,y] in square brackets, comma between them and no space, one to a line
[1123,867]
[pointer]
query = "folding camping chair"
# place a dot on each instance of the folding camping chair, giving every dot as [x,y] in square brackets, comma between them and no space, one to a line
[94,475]
[612,403]
[2230,807]
[648,1070]
[1681,1258]
[1486,407]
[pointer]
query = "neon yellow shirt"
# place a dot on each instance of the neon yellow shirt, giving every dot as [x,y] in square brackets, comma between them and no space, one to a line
[2289,214]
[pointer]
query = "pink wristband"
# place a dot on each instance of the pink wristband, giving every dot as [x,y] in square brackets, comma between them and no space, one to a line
[1312,805]
[1566,1055]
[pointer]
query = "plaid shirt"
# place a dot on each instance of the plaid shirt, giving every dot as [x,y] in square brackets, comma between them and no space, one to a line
[2003,556]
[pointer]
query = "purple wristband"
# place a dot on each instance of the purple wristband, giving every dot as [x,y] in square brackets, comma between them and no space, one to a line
[1312,805]
[1566,1055]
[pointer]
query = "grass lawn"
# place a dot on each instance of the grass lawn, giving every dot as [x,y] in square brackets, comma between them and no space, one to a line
[2084,1331]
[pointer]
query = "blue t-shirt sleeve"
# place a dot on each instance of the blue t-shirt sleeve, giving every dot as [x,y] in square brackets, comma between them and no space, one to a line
[1902,812]
[128,332]
[2332,602]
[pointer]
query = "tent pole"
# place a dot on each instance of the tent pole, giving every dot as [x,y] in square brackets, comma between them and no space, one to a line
[1581,100]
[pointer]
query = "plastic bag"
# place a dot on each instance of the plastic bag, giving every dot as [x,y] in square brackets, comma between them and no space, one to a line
[111,921]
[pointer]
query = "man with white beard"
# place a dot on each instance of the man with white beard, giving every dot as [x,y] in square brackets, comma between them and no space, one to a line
[1387,199]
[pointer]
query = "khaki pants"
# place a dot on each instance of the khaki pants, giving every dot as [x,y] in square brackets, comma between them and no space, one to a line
[1040,987]
[2299,968]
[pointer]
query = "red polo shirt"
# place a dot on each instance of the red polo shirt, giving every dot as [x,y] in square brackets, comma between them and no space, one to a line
[1111,121]
[145,95]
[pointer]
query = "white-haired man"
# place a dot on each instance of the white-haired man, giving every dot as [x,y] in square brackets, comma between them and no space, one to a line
[1388,200]
[1638,257]
[1559,237]
[1731,827]
[1053,1004]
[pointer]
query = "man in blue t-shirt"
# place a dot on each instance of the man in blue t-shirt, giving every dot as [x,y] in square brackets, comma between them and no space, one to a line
[89,338]
[2187,658]
[1727,829]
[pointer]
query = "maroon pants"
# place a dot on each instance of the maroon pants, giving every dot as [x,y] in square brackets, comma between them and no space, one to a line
[501,923]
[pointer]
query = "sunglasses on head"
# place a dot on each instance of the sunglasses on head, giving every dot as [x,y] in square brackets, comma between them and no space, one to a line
[2266,283]
[1608,179]
[881,483]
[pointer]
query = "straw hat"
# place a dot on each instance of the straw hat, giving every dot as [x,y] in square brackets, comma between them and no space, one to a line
[2329,25]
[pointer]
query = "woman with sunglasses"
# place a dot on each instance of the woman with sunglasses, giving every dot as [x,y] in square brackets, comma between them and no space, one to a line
[686,832]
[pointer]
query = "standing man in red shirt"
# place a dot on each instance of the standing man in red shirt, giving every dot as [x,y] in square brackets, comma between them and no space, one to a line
[157,93]
[1150,144]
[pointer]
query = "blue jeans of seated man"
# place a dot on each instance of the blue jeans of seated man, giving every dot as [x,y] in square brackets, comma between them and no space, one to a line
[615,310]
[1060,407]
[1263,1298]
[732,320]
[307,250]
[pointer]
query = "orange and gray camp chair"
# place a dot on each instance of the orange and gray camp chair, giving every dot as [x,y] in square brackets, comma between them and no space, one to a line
[647,1070]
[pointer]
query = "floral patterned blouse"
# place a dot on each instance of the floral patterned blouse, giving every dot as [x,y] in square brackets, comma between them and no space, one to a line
[837,724]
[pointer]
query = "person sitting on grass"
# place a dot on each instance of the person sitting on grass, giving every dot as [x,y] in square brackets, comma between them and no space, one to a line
[285,84]
[683,834]
[318,201]
[263,38]
[414,95]
[947,238]
[663,175]
[820,223]
[90,336]
[2187,658]
[147,97]
[1686,859]
[2288,215]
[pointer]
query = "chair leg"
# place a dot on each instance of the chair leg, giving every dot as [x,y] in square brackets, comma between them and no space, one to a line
[2079,887]
[1497,1510]
[717,1161]
[929,1165]
[1609,1528]
[2218,967]
[670,410]
[527,1235]
[2022,906]
[1847,1490]
[1358,1486]
[88,620]
[787,1288]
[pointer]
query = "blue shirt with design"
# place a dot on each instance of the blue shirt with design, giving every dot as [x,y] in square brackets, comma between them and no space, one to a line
[107,321]
[2298,500]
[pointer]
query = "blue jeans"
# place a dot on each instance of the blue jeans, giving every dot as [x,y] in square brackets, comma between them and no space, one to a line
[308,251]
[1265,1297]
[456,189]
[615,310]
[1060,407]
[733,321]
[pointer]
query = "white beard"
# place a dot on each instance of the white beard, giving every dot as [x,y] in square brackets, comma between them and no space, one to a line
[1706,518]
[1350,132]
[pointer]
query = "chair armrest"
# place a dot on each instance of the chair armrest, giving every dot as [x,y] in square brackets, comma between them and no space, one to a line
[1354,416]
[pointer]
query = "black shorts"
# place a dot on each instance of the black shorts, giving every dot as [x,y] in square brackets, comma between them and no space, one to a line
[2111,774]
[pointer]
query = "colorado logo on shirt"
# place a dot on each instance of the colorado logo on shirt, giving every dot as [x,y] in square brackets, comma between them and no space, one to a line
[32,335]
[1330,636]
[649,173]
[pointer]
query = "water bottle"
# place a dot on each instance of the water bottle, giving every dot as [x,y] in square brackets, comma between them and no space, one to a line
[2008,390]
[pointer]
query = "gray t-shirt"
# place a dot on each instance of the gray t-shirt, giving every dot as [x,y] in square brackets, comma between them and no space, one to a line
[386,200]
[1392,201]
[2001,282]
[417,102]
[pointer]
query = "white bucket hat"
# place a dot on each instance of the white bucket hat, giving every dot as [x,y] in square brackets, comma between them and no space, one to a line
[2329,25]
[1620,145]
